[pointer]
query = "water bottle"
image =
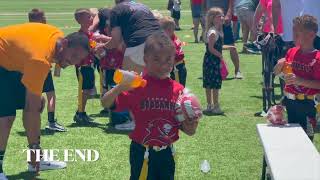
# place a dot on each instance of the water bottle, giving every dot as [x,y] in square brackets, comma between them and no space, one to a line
[92,44]
[122,76]
[205,166]
[287,68]
[99,53]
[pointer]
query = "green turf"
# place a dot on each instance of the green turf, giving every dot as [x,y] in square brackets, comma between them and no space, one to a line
[230,143]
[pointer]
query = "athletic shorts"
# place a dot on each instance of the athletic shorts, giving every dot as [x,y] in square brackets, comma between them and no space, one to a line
[228,38]
[136,54]
[182,74]
[196,10]
[161,164]
[12,92]
[87,73]
[108,80]
[299,111]
[48,85]
[97,64]
[245,15]
[175,14]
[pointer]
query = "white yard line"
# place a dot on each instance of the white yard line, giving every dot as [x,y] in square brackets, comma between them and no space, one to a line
[25,13]
[77,27]
[71,27]
[67,13]
[24,19]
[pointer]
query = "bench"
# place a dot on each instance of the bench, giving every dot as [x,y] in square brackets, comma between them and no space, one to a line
[288,152]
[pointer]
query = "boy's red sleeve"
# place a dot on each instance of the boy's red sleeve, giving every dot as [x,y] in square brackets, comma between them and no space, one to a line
[124,102]
[179,52]
[289,54]
[316,67]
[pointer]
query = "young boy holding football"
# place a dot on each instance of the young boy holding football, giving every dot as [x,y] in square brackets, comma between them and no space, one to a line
[301,67]
[153,108]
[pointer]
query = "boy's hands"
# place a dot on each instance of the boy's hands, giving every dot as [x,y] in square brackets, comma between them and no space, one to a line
[101,38]
[220,57]
[125,86]
[109,98]
[279,66]
[189,126]
[291,79]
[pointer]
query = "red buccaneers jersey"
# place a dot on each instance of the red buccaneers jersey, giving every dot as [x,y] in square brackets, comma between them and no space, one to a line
[112,60]
[306,66]
[178,45]
[90,58]
[153,109]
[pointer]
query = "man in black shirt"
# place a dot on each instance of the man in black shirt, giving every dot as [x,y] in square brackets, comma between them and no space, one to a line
[133,22]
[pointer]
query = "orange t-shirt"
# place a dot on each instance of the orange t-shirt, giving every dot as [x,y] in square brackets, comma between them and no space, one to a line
[29,48]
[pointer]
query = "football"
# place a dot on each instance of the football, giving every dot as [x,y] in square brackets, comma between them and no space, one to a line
[276,115]
[187,107]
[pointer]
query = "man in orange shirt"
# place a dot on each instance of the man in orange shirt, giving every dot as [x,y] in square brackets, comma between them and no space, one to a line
[37,15]
[26,54]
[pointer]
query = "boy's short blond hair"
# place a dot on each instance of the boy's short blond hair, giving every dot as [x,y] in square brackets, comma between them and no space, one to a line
[80,12]
[158,41]
[306,22]
[157,14]
[35,15]
[167,23]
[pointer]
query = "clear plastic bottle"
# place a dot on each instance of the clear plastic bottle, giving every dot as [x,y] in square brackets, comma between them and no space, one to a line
[121,76]
[205,166]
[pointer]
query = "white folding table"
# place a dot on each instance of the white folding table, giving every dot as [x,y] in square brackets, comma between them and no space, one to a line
[288,152]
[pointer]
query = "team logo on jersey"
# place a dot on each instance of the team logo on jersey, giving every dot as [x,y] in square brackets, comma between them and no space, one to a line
[160,130]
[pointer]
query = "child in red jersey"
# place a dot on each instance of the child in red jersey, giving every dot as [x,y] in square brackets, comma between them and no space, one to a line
[38,16]
[153,107]
[302,84]
[114,57]
[108,65]
[84,70]
[179,72]
[112,61]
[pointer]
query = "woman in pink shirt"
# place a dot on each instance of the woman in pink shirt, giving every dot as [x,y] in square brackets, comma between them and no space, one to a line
[265,8]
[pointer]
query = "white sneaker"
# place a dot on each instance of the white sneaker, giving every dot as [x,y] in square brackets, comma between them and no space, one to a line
[48,165]
[127,126]
[3,177]
[238,75]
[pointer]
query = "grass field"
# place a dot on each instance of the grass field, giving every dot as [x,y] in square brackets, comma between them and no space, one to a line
[230,143]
